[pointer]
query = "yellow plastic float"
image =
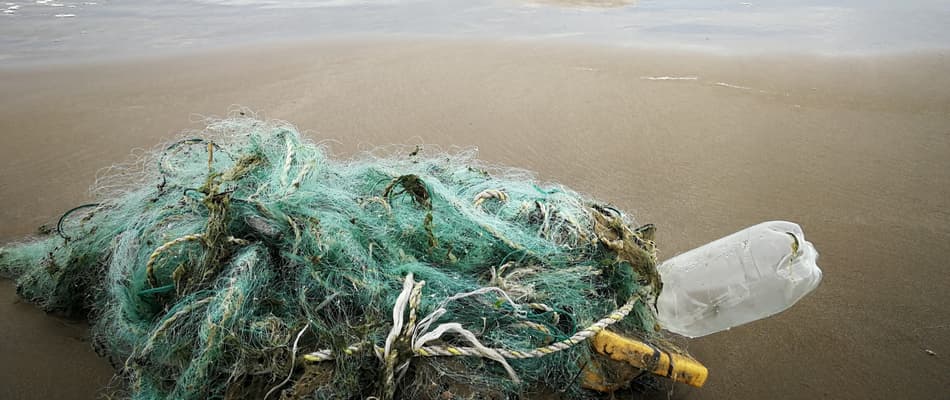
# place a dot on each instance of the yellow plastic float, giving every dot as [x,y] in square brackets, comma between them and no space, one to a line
[621,359]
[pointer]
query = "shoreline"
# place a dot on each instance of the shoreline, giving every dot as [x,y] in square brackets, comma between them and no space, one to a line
[32,32]
[856,149]
[336,40]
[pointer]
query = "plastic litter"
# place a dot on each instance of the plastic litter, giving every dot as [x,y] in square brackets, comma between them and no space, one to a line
[747,276]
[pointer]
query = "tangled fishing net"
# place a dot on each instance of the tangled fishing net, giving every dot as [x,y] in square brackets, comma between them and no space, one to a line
[242,262]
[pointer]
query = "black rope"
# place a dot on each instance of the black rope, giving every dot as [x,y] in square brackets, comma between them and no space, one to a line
[59,225]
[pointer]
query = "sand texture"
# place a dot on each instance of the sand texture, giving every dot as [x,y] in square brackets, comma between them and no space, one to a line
[855,149]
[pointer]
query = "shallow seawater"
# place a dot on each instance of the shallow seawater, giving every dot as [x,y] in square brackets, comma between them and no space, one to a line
[50,30]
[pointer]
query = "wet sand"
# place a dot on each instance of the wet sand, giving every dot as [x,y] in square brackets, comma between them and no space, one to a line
[855,149]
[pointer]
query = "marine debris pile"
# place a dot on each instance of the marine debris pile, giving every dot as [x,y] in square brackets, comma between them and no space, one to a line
[243,262]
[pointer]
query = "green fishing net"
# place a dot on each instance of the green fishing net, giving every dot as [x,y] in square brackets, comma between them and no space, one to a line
[243,262]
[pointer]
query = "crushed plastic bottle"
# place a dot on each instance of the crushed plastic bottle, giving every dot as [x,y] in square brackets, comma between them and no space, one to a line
[746,276]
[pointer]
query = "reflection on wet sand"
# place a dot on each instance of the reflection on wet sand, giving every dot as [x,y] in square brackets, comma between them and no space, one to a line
[586,3]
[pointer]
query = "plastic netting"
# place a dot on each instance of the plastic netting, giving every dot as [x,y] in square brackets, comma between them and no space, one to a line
[212,267]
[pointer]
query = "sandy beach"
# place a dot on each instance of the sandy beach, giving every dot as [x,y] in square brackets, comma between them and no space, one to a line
[856,149]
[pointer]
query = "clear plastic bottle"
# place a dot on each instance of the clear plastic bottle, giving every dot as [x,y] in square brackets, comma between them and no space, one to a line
[746,276]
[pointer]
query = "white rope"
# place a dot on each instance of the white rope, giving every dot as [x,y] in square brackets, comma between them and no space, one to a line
[419,335]
[399,312]
[422,335]
[293,361]
[466,334]
[288,162]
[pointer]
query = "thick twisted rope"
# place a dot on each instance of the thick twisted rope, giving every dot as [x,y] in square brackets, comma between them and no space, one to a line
[419,335]
[577,338]
[150,265]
